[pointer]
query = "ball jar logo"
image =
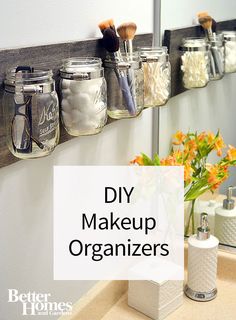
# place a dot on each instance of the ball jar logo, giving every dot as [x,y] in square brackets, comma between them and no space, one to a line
[38,304]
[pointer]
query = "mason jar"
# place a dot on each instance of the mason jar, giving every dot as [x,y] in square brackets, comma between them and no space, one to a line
[230,51]
[217,57]
[125,97]
[195,62]
[83,96]
[31,112]
[157,75]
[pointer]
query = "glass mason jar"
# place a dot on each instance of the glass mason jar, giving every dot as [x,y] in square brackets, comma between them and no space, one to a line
[217,57]
[230,51]
[157,75]
[125,97]
[31,112]
[195,62]
[83,96]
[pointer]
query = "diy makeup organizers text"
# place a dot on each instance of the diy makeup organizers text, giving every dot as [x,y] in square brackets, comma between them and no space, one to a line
[125,72]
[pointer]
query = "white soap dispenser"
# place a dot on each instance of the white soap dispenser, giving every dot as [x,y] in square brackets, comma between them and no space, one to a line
[225,220]
[202,263]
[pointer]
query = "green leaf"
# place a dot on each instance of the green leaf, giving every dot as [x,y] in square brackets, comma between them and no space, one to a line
[146,160]
[156,160]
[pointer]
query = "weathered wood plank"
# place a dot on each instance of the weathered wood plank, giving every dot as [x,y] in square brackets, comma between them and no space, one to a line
[50,56]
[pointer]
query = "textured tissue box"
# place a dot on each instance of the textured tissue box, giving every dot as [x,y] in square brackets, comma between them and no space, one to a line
[155,299]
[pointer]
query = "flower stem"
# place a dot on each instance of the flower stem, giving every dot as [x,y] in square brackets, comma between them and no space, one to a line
[192,211]
[191,216]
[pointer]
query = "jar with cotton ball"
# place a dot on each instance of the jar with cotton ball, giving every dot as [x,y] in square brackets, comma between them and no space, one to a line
[195,62]
[83,96]
[230,51]
[157,75]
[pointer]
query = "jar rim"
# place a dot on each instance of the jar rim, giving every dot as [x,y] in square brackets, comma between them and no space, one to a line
[229,34]
[197,39]
[153,49]
[194,44]
[22,76]
[81,62]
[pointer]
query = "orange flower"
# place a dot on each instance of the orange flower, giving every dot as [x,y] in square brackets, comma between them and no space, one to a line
[201,136]
[169,161]
[178,138]
[219,144]
[188,172]
[231,153]
[189,149]
[210,137]
[175,159]
[138,160]
[216,175]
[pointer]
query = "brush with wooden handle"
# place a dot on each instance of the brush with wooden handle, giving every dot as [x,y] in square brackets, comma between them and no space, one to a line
[206,22]
[126,32]
[111,44]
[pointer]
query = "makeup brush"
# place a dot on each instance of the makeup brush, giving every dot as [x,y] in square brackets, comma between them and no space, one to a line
[104,25]
[126,32]
[111,44]
[112,25]
[206,22]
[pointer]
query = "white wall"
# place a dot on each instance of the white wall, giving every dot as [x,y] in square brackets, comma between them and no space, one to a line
[26,188]
[209,108]
[181,13]
[33,22]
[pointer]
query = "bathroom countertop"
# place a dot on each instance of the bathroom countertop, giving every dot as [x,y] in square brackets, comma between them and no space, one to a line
[108,299]
[221,308]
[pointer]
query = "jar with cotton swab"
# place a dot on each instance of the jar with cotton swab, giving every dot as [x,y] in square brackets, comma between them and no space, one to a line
[157,75]
[195,65]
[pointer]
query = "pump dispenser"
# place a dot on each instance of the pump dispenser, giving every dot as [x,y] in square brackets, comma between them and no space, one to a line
[225,220]
[202,263]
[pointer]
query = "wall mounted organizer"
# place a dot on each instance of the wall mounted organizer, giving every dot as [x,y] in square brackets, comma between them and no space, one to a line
[50,56]
[173,39]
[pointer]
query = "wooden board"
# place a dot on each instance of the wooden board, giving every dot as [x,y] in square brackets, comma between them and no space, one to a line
[173,40]
[50,56]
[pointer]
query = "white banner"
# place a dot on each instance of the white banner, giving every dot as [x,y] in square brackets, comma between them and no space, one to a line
[118,222]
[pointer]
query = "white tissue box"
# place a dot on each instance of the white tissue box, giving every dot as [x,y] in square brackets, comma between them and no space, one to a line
[155,299]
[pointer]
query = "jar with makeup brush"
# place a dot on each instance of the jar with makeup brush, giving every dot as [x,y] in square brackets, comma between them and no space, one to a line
[83,96]
[125,96]
[217,57]
[230,51]
[31,112]
[157,75]
[195,62]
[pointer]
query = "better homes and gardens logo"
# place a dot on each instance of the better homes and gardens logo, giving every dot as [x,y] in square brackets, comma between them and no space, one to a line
[38,304]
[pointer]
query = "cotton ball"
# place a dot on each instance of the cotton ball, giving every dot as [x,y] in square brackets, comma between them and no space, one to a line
[65,93]
[75,86]
[66,117]
[65,105]
[78,101]
[75,115]
[65,84]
